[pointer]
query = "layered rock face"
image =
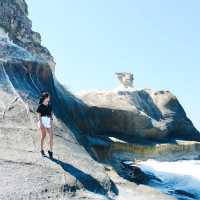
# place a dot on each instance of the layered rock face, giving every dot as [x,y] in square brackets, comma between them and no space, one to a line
[27,69]
[144,115]
[137,115]
[14,21]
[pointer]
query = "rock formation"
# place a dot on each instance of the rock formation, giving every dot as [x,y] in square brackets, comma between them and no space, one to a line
[144,115]
[125,79]
[14,21]
[27,69]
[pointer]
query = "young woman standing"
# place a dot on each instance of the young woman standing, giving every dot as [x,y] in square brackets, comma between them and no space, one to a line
[45,122]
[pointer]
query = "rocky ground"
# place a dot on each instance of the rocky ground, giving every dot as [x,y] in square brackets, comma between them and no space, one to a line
[77,172]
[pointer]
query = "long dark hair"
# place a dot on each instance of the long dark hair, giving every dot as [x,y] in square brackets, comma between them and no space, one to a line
[43,96]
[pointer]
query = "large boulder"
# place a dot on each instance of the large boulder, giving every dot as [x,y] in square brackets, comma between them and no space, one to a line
[138,115]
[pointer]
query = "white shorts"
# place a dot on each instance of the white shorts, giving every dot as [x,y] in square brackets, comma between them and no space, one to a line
[46,122]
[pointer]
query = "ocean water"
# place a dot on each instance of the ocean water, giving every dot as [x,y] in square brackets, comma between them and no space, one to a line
[180,179]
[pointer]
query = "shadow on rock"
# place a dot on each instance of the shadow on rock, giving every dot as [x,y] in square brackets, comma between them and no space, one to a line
[89,183]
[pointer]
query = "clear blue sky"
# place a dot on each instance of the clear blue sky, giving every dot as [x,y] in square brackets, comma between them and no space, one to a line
[157,40]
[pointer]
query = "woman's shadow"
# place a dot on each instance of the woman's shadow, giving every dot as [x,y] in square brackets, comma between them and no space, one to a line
[89,183]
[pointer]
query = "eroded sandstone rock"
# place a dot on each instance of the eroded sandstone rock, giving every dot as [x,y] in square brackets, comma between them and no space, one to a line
[145,115]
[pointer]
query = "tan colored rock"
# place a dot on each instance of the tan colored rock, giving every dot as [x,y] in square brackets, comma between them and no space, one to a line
[139,114]
[125,79]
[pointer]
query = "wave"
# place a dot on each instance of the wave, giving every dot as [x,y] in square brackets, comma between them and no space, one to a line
[180,178]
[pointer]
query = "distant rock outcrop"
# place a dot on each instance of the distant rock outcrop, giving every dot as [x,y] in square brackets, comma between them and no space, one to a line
[125,79]
[145,115]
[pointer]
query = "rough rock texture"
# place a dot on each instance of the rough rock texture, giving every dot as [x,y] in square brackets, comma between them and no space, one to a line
[14,20]
[26,69]
[24,174]
[140,114]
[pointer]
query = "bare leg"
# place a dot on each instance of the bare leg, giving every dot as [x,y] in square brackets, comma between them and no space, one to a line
[43,135]
[50,132]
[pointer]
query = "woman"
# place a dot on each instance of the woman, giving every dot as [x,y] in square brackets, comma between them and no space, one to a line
[45,122]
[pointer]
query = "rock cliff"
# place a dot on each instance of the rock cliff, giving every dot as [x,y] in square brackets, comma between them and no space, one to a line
[27,69]
[15,22]
[139,115]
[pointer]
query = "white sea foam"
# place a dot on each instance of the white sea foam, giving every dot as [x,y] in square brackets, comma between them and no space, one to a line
[181,175]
